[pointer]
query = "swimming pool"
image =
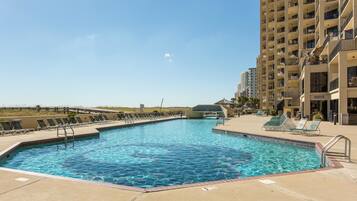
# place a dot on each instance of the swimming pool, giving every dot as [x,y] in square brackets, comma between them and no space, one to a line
[164,154]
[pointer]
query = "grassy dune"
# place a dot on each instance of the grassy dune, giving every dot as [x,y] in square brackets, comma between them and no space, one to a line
[25,112]
[146,109]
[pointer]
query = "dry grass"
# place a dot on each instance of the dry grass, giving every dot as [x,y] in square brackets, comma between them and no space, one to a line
[25,112]
[147,109]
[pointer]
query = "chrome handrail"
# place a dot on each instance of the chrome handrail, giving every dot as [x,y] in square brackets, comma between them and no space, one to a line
[331,143]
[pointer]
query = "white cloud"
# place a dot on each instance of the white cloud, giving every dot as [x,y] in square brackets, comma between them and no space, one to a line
[168,56]
[91,36]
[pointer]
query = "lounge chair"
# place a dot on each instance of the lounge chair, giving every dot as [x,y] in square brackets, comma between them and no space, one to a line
[128,118]
[51,123]
[100,118]
[41,124]
[80,122]
[1,130]
[92,119]
[280,123]
[105,117]
[59,121]
[312,128]
[6,127]
[66,121]
[17,127]
[300,126]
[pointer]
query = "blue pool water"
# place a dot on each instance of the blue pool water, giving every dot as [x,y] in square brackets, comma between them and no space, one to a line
[164,154]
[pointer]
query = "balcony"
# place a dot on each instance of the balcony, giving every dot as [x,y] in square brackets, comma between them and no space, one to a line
[343,45]
[346,21]
[309,15]
[343,5]
[282,40]
[309,30]
[293,4]
[292,62]
[281,9]
[331,15]
[309,1]
[281,30]
[280,74]
[293,17]
[334,84]
[291,94]
[294,103]
[294,29]
[293,42]
[281,19]
[294,77]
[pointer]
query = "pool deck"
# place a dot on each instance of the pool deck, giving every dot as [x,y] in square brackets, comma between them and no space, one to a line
[339,184]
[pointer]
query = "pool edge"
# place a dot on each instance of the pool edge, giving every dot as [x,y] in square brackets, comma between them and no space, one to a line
[332,163]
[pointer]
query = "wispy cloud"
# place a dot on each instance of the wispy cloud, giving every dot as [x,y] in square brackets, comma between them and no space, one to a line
[91,36]
[168,56]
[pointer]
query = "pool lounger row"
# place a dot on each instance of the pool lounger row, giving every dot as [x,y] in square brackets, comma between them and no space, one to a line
[283,123]
[131,117]
[12,127]
[74,121]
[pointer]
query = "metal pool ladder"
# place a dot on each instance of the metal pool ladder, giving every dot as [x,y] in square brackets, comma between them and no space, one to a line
[325,150]
[65,132]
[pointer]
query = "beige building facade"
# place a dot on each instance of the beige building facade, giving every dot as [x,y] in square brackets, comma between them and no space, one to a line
[323,78]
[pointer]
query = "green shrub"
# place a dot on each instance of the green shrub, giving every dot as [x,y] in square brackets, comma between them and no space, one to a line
[318,116]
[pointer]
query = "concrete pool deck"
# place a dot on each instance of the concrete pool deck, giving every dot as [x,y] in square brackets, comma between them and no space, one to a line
[330,185]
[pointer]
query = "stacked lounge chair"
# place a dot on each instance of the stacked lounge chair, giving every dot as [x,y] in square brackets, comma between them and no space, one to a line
[17,127]
[309,129]
[279,123]
[300,126]
[41,125]
[51,123]
[12,127]
[59,121]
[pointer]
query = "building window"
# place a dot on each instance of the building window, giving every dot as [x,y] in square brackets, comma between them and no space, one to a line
[352,105]
[318,82]
[352,76]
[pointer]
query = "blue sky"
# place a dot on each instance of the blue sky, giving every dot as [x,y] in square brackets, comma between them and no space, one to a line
[125,52]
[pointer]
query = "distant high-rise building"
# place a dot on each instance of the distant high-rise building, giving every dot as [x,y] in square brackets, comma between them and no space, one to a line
[248,84]
[252,83]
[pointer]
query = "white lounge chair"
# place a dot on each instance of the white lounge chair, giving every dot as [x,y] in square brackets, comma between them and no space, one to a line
[300,126]
[282,123]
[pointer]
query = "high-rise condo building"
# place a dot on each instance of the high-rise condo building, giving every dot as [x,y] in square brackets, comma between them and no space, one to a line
[308,57]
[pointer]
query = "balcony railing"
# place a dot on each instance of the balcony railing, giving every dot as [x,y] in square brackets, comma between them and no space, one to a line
[334,84]
[347,20]
[343,5]
[343,45]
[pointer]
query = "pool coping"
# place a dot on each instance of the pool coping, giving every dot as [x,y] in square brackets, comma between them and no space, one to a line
[332,163]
